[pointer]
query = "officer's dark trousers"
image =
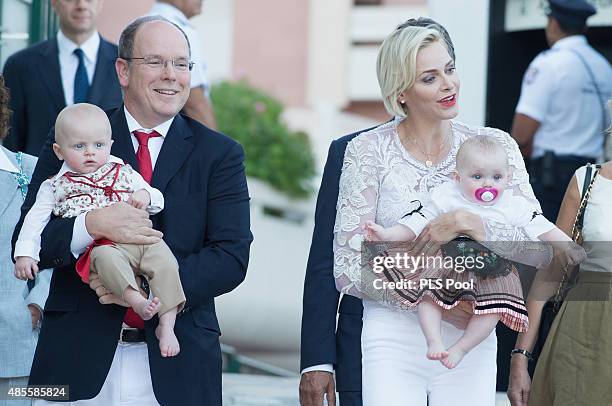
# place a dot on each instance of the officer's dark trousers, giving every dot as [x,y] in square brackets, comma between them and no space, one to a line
[350,398]
[550,194]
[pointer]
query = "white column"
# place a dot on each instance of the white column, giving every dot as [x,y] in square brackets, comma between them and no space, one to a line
[467,22]
[328,50]
[215,27]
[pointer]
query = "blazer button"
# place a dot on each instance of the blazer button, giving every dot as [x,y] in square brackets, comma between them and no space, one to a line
[57,261]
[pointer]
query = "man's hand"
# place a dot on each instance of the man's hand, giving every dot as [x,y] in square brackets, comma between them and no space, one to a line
[441,230]
[520,382]
[104,295]
[445,228]
[458,316]
[25,268]
[35,313]
[141,199]
[314,385]
[122,223]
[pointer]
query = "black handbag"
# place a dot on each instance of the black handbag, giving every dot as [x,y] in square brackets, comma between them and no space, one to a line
[552,306]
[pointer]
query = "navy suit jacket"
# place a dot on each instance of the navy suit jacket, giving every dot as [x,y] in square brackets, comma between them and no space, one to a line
[37,96]
[206,225]
[320,343]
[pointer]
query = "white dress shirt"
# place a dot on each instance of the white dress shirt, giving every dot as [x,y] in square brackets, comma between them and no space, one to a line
[321,368]
[173,14]
[81,239]
[28,243]
[6,164]
[558,92]
[69,62]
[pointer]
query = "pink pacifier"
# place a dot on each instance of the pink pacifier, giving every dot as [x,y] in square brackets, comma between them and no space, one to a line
[486,194]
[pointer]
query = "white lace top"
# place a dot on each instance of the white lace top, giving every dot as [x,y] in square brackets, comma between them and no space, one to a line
[380,178]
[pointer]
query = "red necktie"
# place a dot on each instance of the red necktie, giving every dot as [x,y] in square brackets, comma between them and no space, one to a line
[143,157]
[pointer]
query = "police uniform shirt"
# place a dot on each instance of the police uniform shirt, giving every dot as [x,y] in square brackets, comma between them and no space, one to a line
[173,14]
[69,61]
[558,92]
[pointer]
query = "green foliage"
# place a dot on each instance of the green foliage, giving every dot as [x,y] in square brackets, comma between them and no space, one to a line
[274,154]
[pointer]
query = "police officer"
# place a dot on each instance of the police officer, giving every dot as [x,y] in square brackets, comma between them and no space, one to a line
[561,113]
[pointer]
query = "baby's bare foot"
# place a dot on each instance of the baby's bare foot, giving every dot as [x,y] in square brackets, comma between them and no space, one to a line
[148,308]
[168,343]
[373,232]
[455,355]
[436,351]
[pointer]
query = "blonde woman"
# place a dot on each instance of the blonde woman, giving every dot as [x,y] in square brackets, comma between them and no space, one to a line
[384,170]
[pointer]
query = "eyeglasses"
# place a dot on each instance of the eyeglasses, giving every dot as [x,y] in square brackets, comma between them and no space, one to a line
[157,63]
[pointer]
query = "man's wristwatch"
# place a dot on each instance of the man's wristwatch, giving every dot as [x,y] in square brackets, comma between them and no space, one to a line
[523,352]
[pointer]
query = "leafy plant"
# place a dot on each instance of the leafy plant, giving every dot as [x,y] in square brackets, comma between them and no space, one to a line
[274,154]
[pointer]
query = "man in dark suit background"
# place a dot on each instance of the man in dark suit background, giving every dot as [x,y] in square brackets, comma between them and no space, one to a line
[327,346]
[322,348]
[76,66]
[205,223]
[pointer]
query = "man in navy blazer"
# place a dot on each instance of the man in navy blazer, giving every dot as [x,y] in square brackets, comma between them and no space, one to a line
[322,348]
[205,223]
[41,78]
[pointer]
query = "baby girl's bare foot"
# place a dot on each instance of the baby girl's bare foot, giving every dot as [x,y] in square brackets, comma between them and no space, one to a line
[147,308]
[455,355]
[168,343]
[373,232]
[436,351]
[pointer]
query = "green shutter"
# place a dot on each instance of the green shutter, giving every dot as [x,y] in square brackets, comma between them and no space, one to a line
[43,21]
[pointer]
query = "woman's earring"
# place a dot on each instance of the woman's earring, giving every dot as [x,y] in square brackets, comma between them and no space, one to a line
[402,102]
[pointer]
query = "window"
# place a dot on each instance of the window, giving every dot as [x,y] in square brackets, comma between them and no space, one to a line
[22,23]
[368,2]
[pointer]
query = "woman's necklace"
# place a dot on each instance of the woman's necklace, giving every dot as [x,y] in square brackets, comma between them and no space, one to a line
[429,157]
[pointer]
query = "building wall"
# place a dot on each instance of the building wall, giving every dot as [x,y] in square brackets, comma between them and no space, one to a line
[270,46]
[328,52]
[369,26]
[116,14]
[307,53]
[214,26]
[404,2]
[467,23]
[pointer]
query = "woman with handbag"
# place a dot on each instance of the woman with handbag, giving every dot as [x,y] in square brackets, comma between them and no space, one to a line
[575,366]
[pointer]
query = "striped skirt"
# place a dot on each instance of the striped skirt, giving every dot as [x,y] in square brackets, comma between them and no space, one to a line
[448,285]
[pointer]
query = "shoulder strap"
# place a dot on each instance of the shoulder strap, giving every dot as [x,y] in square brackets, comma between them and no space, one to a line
[602,104]
[589,179]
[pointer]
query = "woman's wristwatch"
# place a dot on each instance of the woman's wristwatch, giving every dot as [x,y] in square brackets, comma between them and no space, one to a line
[523,352]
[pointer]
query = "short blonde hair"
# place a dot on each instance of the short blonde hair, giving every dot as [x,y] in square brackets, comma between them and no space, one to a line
[483,145]
[396,63]
[76,116]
